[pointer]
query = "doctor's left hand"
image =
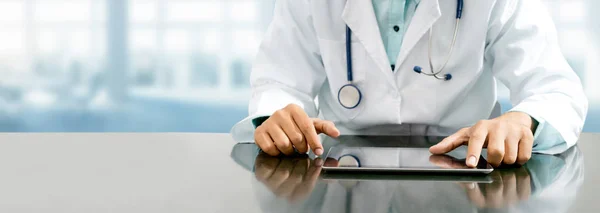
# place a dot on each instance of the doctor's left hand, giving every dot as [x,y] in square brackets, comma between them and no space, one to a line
[508,138]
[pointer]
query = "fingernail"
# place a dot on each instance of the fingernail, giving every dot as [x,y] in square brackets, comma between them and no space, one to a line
[472,161]
[319,151]
[318,162]
[471,185]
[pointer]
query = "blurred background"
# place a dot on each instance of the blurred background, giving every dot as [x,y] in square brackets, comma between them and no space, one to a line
[174,65]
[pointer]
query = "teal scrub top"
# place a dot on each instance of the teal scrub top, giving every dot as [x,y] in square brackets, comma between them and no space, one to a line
[393,18]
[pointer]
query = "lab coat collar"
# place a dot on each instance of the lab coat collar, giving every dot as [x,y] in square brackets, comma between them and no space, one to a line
[428,12]
[359,15]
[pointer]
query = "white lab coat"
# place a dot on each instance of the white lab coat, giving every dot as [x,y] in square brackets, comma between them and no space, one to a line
[302,61]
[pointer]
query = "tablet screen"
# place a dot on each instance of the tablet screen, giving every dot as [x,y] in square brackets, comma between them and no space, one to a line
[394,152]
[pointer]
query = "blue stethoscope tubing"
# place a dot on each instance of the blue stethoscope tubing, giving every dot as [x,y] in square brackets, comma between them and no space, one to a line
[350,96]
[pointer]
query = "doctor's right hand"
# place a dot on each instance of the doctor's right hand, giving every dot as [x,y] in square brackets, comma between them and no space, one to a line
[290,128]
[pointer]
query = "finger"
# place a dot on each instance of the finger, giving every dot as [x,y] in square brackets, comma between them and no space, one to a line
[301,167]
[511,149]
[296,177]
[314,170]
[494,196]
[264,141]
[295,135]
[495,146]
[474,194]
[510,188]
[265,166]
[287,187]
[331,162]
[309,181]
[477,136]
[445,161]
[282,142]
[308,130]
[281,173]
[440,161]
[326,127]
[523,183]
[450,143]
[525,147]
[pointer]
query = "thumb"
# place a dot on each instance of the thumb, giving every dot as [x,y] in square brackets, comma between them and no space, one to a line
[326,127]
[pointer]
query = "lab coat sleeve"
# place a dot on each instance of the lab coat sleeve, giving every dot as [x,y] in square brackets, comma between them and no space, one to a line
[523,53]
[288,68]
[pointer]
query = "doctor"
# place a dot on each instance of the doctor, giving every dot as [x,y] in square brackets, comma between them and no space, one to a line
[425,62]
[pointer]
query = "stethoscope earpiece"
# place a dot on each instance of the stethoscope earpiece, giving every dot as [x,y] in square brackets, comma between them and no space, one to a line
[418,69]
[435,74]
[447,77]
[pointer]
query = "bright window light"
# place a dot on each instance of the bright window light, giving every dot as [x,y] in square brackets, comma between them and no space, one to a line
[143,10]
[572,11]
[47,42]
[98,43]
[574,42]
[39,98]
[79,42]
[11,11]
[246,41]
[62,10]
[99,10]
[177,41]
[11,43]
[194,11]
[211,41]
[141,40]
[243,11]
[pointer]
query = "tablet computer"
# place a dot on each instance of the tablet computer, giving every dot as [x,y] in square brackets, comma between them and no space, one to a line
[388,176]
[397,154]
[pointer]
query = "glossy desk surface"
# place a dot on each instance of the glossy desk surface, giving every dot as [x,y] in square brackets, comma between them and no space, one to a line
[175,172]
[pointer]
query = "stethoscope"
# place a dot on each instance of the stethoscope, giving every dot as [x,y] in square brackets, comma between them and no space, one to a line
[350,96]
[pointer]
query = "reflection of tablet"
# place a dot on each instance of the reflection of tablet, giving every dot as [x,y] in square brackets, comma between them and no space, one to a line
[406,177]
[348,156]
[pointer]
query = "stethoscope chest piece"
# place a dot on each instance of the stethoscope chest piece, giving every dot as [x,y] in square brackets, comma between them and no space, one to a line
[349,96]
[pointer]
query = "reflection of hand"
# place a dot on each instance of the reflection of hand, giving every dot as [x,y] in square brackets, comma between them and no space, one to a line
[292,177]
[509,187]
[330,162]
[447,162]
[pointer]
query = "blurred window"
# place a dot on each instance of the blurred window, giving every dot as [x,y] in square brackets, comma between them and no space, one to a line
[193,46]
[39,34]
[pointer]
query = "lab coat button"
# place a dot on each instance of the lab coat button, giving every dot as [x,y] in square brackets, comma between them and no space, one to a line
[396,28]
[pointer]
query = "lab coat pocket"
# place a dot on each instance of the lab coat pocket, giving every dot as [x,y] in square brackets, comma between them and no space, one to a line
[333,53]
